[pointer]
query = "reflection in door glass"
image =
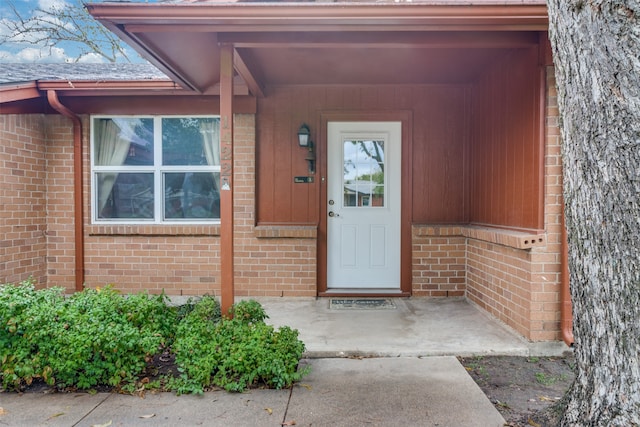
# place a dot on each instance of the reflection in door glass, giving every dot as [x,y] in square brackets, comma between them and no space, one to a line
[363,173]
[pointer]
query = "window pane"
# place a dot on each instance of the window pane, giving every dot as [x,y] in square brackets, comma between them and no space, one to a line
[363,173]
[191,195]
[377,198]
[190,141]
[123,141]
[125,195]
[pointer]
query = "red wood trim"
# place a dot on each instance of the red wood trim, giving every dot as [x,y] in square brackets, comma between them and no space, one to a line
[226,178]
[254,86]
[373,294]
[110,85]
[546,52]
[19,92]
[406,118]
[541,137]
[367,39]
[156,58]
[168,105]
[406,255]
[319,16]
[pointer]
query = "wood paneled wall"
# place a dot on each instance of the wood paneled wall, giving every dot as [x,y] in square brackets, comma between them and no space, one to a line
[440,132]
[506,145]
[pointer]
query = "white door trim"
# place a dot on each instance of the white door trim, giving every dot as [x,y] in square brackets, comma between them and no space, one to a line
[363,237]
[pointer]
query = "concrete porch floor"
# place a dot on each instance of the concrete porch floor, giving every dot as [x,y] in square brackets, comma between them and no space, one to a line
[416,327]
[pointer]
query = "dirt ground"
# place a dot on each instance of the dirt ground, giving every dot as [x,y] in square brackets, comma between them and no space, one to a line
[523,389]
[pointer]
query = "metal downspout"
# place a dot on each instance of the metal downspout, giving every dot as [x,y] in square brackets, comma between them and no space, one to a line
[78,213]
[566,310]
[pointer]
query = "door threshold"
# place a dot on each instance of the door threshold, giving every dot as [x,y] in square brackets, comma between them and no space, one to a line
[364,292]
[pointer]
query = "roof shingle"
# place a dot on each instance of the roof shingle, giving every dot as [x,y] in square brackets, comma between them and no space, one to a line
[26,72]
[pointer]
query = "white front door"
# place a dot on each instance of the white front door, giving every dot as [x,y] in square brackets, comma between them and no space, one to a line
[363,196]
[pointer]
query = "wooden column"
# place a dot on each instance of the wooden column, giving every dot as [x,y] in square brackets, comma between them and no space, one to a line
[226,177]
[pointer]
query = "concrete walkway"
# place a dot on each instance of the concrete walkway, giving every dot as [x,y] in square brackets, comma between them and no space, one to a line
[415,327]
[432,391]
[413,385]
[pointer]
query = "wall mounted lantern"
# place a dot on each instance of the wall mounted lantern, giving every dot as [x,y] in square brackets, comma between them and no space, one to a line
[304,140]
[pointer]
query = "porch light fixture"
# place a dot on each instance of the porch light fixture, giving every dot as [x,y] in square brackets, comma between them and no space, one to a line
[304,135]
[304,141]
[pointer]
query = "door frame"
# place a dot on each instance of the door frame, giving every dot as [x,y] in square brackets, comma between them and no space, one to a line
[406,119]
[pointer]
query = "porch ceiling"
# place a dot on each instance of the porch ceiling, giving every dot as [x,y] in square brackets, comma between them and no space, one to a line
[325,43]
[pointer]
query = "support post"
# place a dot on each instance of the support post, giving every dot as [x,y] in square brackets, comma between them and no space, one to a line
[226,178]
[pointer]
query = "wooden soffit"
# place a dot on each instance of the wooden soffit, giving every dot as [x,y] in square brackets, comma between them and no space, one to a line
[325,43]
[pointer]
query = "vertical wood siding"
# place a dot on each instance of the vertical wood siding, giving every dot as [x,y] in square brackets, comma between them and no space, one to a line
[440,135]
[506,182]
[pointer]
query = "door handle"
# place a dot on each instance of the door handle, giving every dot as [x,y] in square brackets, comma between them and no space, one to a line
[332,214]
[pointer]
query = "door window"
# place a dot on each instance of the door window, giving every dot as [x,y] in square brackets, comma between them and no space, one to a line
[363,182]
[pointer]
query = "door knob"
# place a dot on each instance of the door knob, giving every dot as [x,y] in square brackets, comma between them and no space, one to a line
[332,214]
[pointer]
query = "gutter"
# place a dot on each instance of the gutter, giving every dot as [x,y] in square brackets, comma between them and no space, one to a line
[78,213]
[566,309]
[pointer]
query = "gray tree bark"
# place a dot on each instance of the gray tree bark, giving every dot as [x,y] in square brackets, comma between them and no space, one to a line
[596,45]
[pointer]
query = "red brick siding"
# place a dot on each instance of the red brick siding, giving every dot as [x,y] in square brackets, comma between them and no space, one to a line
[23,215]
[185,260]
[439,262]
[519,286]
[60,204]
[522,288]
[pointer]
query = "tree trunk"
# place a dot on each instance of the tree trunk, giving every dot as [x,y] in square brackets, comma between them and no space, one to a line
[596,46]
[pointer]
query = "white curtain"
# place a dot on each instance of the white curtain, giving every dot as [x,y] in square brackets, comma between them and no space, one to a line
[210,131]
[111,150]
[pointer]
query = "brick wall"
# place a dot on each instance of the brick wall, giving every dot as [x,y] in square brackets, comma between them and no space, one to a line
[439,261]
[499,281]
[181,260]
[546,269]
[522,287]
[176,259]
[60,204]
[23,222]
[518,285]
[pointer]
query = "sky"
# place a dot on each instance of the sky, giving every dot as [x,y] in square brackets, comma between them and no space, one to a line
[18,48]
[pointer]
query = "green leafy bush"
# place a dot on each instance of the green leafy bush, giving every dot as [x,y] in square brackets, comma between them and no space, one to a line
[107,337]
[236,353]
[94,337]
[98,337]
[195,346]
[28,318]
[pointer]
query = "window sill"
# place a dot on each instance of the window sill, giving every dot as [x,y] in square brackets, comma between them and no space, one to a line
[153,230]
[501,236]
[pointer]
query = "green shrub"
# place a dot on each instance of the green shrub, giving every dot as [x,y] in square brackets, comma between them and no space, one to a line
[94,337]
[195,346]
[249,311]
[99,337]
[107,337]
[236,353]
[28,318]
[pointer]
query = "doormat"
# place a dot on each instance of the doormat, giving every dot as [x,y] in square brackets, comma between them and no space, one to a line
[362,304]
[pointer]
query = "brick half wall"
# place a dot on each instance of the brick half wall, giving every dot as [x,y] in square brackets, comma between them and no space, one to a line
[23,198]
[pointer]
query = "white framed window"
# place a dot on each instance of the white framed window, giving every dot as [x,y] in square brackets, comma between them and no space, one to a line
[155,169]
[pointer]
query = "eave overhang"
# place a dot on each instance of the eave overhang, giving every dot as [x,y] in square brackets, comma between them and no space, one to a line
[341,16]
[18,92]
[183,40]
[126,88]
